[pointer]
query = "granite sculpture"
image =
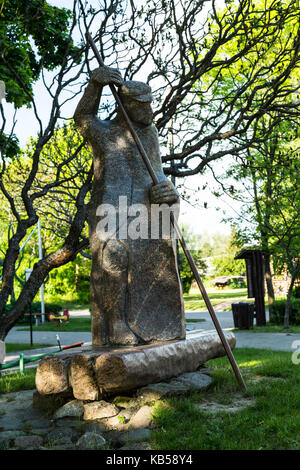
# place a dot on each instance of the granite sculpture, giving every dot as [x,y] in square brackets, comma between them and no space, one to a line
[136,295]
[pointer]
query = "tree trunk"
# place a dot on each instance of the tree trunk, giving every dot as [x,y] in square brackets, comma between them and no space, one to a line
[286,321]
[269,283]
[8,271]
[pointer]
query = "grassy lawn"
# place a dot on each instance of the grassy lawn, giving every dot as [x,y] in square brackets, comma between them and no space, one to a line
[75,324]
[272,328]
[14,381]
[194,301]
[271,421]
[14,347]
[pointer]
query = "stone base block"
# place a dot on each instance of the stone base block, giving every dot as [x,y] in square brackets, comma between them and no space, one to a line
[107,371]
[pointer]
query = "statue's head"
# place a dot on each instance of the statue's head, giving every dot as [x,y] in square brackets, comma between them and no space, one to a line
[136,98]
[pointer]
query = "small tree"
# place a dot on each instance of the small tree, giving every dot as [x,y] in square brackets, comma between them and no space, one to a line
[269,176]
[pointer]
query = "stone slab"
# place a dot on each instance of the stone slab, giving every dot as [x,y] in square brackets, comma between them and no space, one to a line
[73,408]
[196,380]
[99,409]
[115,370]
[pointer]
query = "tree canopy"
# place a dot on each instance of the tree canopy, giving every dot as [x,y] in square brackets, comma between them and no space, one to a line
[34,37]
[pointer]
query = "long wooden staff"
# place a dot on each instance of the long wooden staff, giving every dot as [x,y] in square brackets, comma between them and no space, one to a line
[175,225]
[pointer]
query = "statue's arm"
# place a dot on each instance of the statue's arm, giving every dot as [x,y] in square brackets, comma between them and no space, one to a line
[85,115]
[164,192]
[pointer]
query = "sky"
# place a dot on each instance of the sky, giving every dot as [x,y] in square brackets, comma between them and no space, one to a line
[194,214]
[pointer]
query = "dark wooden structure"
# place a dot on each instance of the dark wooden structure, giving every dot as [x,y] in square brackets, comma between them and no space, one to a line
[243,314]
[255,271]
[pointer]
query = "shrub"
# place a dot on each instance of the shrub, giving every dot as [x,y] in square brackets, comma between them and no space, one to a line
[278,307]
[296,292]
[186,274]
[237,283]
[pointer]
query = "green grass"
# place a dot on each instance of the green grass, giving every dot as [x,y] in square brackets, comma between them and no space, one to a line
[14,347]
[271,422]
[14,381]
[194,301]
[75,324]
[272,328]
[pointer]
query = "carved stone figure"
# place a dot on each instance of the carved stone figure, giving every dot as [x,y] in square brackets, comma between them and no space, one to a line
[136,295]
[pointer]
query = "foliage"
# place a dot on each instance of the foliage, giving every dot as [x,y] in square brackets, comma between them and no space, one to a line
[73,279]
[270,176]
[278,311]
[225,264]
[228,266]
[211,251]
[56,208]
[63,167]
[213,244]
[36,308]
[237,283]
[186,273]
[296,292]
[265,177]
[34,37]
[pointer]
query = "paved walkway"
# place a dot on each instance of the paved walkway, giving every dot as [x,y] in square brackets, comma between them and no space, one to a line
[202,322]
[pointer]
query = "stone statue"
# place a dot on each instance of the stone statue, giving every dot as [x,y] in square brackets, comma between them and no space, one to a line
[136,295]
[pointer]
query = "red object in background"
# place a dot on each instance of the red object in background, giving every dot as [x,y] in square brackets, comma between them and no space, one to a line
[59,318]
[75,345]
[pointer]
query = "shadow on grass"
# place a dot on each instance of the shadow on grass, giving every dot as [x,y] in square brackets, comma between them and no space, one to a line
[270,420]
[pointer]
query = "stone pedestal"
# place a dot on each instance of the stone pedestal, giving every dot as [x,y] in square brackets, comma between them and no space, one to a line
[92,374]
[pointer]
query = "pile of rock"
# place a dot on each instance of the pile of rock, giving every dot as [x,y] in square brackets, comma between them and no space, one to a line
[118,422]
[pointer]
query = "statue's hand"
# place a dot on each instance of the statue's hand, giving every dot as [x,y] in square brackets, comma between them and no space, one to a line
[164,192]
[106,75]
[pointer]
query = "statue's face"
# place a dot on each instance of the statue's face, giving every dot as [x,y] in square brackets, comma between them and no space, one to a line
[138,111]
